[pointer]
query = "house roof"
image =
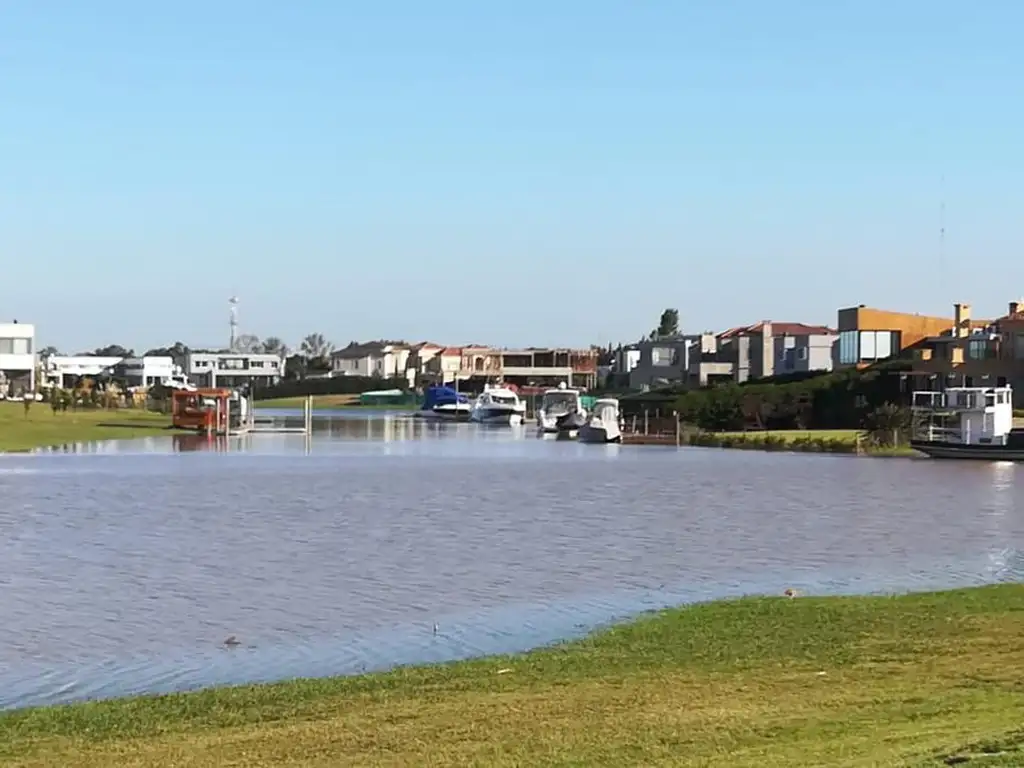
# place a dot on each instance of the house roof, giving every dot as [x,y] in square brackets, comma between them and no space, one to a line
[778,329]
[354,351]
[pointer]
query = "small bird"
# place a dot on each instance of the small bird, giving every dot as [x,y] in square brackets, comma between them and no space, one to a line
[232,642]
[790,593]
[436,628]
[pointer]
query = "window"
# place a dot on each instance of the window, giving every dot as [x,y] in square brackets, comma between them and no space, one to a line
[848,348]
[661,356]
[232,364]
[801,354]
[884,344]
[6,346]
[868,346]
[977,349]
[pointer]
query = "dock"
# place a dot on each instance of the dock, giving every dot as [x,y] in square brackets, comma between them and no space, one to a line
[266,426]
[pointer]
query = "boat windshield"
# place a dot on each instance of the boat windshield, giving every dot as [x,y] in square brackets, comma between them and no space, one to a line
[562,400]
[607,412]
[504,399]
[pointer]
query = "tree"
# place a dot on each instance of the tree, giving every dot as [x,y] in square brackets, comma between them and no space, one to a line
[112,350]
[272,345]
[177,352]
[889,424]
[316,348]
[49,351]
[668,325]
[248,343]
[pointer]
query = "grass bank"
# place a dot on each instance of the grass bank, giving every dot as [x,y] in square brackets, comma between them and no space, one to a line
[42,427]
[329,402]
[806,440]
[911,680]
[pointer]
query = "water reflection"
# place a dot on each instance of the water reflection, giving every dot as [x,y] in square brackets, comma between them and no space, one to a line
[122,570]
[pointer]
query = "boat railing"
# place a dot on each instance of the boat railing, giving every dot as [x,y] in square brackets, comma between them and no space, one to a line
[929,400]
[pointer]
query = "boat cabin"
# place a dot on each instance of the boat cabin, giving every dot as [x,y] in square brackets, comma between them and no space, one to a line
[201,409]
[965,415]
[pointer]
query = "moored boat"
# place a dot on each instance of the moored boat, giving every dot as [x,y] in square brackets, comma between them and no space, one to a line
[498,405]
[442,403]
[603,425]
[561,409]
[967,423]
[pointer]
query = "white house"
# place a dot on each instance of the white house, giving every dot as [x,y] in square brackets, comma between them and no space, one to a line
[66,370]
[385,359]
[233,369]
[17,357]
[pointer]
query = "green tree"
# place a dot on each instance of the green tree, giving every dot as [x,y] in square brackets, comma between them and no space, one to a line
[668,325]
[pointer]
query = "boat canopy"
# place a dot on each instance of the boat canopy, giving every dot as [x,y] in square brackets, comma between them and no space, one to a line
[441,395]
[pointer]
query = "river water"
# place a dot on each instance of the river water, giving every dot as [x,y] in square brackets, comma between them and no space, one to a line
[125,565]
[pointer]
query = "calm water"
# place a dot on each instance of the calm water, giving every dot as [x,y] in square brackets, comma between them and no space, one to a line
[124,566]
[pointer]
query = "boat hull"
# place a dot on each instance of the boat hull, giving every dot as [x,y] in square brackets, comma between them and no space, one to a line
[940,450]
[595,434]
[446,413]
[502,417]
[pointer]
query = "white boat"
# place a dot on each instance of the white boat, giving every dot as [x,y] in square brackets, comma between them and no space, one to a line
[603,426]
[498,405]
[967,423]
[556,405]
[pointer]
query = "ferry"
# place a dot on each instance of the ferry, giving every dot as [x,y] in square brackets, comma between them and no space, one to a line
[967,423]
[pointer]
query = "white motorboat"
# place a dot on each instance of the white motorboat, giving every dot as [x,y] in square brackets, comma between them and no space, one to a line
[498,405]
[604,425]
[561,408]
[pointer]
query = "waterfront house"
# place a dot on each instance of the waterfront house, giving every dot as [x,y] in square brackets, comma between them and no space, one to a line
[17,357]
[233,369]
[772,348]
[385,359]
[868,335]
[655,362]
[549,367]
[67,370]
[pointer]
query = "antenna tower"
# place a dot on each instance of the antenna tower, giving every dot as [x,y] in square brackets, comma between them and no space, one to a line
[233,301]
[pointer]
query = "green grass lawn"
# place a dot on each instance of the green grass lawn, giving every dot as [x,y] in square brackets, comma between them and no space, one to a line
[328,402]
[789,435]
[42,427]
[753,683]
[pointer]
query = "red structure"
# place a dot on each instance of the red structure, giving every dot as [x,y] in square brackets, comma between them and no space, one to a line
[204,410]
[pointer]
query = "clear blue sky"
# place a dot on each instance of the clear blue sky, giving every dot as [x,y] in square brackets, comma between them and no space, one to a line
[550,172]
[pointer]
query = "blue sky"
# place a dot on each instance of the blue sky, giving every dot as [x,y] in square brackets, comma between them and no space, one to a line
[518,173]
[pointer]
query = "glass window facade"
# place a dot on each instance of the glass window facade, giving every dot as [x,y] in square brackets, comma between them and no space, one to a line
[867,346]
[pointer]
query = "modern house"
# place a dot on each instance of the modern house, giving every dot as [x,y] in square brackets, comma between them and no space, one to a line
[868,335]
[969,353]
[549,367]
[233,369]
[67,370]
[663,361]
[385,359]
[772,348]
[17,357]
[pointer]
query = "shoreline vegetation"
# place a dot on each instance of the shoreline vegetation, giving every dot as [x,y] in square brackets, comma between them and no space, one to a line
[847,441]
[42,427]
[926,679]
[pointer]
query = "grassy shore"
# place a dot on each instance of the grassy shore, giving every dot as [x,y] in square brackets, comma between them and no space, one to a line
[811,440]
[911,680]
[328,402]
[42,427]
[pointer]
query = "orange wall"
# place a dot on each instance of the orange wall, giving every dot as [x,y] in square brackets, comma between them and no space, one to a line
[912,328]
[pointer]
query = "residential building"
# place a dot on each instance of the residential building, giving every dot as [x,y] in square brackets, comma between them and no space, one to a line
[549,367]
[385,359]
[418,361]
[709,363]
[444,366]
[868,335]
[67,370]
[773,348]
[971,354]
[233,369]
[17,357]
[663,361]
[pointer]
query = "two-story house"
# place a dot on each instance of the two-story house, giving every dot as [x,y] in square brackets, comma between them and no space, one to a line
[774,348]
[384,359]
[17,357]
[233,369]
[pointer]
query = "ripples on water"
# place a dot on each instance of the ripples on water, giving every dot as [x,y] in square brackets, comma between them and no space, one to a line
[123,570]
